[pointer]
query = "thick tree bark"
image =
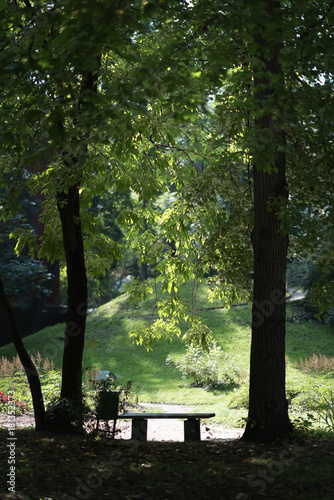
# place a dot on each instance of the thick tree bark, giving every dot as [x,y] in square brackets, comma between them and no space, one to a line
[68,204]
[28,365]
[268,409]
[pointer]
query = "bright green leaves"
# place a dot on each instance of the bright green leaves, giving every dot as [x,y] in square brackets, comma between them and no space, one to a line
[159,330]
[173,311]
[198,335]
[162,330]
[138,291]
[25,238]
[146,123]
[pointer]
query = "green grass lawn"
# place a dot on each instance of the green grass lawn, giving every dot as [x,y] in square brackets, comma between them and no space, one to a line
[109,347]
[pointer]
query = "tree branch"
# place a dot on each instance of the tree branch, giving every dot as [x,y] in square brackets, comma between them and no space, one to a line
[163,146]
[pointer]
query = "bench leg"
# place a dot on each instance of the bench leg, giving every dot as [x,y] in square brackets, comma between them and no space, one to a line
[114,429]
[139,429]
[192,430]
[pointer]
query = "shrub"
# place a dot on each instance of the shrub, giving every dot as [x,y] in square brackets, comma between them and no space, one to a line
[326,411]
[5,401]
[308,395]
[50,383]
[304,424]
[207,368]
[320,410]
[13,378]
[239,399]
[316,363]
[8,368]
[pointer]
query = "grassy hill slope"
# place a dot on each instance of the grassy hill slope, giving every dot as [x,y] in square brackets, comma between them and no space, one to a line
[110,348]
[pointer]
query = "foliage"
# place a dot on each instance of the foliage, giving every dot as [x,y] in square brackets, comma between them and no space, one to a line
[315,278]
[326,411]
[13,378]
[107,285]
[73,88]
[309,393]
[19,386]
[239,397]
[8,367]
[50,382]
[208,237]
[93,386]
[7,401]
[127,394]
[207,368]
[316,363]
[304,424]
[322,412]
[302,274]
[313,394]
[23,276]
[172,310]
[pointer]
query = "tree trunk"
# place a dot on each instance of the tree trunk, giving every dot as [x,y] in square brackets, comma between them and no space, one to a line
[143,265]
[28,365]
[268,418]
[143,272]
[68,204]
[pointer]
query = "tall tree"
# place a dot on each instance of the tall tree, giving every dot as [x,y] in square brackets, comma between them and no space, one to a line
[260,63]
[73,86]
[268,409]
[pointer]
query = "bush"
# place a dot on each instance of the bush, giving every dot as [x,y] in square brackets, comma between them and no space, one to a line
[325,411]
[309,395]
[14,379]
[304,424]
[207,368]
[5,403]
[239,399]
[316,363]
[50,383]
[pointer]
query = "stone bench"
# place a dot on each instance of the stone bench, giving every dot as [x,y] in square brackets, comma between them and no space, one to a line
[192,430]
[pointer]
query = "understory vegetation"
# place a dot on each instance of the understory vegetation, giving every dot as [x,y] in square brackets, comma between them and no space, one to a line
[217,382]
[207,368]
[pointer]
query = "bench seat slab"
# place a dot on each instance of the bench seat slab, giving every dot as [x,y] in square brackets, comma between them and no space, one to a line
[139,416]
